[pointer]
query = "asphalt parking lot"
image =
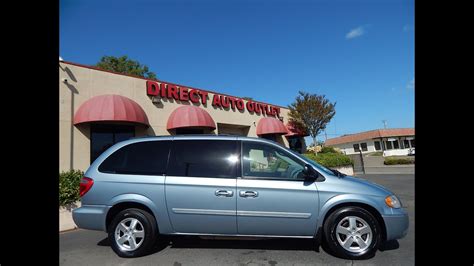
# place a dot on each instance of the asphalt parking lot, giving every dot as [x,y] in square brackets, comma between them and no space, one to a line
[83,247]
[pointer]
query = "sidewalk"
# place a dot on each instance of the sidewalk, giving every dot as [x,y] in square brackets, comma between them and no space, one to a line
[389,169]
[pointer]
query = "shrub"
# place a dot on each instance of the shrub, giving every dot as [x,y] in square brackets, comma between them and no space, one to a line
[330,159]
[393,161]
[327,149]
[69,186]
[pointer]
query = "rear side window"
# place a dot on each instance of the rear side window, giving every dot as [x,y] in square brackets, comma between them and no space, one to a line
[204,158]
[142,158]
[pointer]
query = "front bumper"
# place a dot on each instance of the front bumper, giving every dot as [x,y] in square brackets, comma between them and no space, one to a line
[91,217]
[396,224]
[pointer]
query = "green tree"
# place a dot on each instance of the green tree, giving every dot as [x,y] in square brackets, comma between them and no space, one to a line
[311,113]
[125,65]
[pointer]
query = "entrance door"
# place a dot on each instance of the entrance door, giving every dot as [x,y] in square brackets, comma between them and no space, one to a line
[104,136]
[273,197]
[201,186]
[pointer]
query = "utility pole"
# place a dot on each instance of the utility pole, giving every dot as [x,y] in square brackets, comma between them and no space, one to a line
[384,123]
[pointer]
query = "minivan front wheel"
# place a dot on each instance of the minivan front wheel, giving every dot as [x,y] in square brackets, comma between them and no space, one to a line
[352,233]
[132,232]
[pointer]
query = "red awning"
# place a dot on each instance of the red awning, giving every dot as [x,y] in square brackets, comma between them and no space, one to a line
[295,132]
[108,108]
[190,116]
[270,125]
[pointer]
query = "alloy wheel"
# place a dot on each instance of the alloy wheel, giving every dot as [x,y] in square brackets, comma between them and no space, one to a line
[354,234]
[129,234]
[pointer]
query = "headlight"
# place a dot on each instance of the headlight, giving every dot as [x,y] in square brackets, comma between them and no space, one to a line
[393,202]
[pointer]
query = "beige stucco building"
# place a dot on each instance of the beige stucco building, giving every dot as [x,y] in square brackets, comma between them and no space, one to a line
[99,108]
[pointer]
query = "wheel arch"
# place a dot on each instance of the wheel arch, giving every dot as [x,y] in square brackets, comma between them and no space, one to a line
[126,201]
[329,208]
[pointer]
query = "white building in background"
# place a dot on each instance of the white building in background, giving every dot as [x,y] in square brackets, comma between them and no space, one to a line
[396,141]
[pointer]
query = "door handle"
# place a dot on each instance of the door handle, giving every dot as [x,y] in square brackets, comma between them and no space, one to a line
[247,194]
[224,193]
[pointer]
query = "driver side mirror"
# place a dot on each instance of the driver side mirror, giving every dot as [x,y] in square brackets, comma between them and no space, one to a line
[310,173]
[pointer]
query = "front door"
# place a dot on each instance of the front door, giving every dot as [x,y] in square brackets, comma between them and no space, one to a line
[273,197]
[201,186]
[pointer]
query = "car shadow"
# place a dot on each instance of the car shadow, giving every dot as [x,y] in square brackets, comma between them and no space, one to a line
[230,243]
[245,243]
[389,245]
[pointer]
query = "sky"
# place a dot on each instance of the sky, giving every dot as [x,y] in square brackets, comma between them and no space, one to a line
[358,53]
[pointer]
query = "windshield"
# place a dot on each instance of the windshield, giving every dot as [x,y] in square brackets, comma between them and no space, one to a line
[315,164]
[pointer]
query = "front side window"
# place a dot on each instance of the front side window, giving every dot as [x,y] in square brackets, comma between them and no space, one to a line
[204,158]
[265,161]
[142,158]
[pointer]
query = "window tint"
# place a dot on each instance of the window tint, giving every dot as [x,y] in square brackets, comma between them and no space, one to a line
[142,158]
[268,162]
[377,145]
[356,147]
[363,146]
[204,158]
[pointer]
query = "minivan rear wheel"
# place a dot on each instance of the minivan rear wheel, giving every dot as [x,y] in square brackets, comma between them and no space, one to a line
[352,233]
[132,233]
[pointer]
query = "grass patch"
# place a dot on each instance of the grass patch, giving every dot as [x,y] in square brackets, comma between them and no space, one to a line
[377,153]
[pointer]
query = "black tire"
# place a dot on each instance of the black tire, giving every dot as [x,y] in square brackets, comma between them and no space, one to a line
[150,229]
[330,236]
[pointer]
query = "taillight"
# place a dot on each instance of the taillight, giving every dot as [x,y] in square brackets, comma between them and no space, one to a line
[86,184]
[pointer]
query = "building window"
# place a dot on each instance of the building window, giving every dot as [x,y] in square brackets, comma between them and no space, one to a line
[104,136]
[270,137]
[187,131]
[395,144]
[377,145]
[356,148]
[296,144]
[412,143]
[406,143]
[363,146]
[389,145]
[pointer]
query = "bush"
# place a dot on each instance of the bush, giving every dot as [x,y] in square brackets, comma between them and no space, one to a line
[330,159]
[393,161]
[327,149]
[69,186]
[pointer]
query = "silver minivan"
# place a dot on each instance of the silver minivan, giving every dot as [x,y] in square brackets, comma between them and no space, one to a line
[237,186]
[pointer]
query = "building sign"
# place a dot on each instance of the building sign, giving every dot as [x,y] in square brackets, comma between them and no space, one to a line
[181,93]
